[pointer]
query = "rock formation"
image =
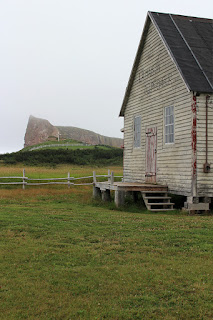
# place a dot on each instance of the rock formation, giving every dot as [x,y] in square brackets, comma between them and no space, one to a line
[40,130]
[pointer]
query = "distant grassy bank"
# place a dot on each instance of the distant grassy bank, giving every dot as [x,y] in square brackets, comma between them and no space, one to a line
[63,144]
[65,256]
[85,155]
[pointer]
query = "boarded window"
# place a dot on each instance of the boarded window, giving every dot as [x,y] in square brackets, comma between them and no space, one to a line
[137,132]
[169,125]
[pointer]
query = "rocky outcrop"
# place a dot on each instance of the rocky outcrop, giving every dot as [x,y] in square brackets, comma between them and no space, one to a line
[40,130]
[88,136]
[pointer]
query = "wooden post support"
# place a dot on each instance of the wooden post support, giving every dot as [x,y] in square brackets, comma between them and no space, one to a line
[119,198]
[96,192]
[129,194]
[135,196]
[106,195]
[23,186]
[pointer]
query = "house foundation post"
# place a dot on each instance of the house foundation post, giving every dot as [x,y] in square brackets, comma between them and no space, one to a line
[106,195]
[207,200]
[132,194]
[135,196]
[191,200]
[96,193]
[119,198]
[128,194]
[194,204]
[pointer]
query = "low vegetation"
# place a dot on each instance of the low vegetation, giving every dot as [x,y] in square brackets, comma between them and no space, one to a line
[97,156]
[66,256]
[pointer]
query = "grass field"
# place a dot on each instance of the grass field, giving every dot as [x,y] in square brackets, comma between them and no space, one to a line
[65,256]
[58,171]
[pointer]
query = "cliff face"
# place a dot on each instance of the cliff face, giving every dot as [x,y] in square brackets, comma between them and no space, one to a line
[40,130]
[89,137]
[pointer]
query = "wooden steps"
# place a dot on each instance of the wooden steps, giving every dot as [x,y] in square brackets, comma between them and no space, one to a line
[157,200]
[155,196]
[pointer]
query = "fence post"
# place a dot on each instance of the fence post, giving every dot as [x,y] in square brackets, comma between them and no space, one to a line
[68,180]
[23,186]
[96,190]
[112,177]
[109,177]
[94,177]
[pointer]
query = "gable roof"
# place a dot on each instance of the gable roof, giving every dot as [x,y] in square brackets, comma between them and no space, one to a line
[189,41]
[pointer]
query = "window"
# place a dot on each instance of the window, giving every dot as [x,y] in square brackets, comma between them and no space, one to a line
[169,124]
[137,132]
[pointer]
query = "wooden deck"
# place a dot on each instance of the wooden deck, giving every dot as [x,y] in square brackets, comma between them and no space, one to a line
[102,190]
[156,197]
[129,186]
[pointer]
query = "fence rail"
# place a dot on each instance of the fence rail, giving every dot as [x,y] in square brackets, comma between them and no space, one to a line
[70,181]
[60,145]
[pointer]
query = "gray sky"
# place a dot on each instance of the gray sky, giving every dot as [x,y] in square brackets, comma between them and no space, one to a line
[69,61]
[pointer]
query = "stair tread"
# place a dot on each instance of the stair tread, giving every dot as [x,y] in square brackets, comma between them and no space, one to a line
[161,210]
[163,191]
[160,203]
[157,195]
[157,198]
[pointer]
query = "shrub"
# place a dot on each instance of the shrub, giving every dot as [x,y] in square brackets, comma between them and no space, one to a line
[97,156]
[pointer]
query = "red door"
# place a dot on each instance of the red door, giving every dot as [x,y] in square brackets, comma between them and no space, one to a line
[151,154]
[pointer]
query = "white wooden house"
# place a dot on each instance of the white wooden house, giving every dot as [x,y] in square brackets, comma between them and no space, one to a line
[168,108]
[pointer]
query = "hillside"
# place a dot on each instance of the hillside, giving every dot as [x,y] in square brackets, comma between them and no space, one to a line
[78,155]
[41,130]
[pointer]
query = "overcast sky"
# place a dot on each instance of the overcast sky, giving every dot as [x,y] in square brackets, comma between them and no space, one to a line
[69,61]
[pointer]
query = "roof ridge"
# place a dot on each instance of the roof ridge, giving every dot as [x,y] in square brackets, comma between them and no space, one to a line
[183,15]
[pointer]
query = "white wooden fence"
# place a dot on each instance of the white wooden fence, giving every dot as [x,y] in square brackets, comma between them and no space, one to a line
[60,145]
[69,181]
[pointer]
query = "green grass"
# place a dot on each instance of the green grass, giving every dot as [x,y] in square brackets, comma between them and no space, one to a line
[69,147]
[65,256]
[49,145]
[70,141]
[60,171]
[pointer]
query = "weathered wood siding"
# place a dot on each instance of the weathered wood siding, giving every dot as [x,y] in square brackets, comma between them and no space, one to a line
[158,84]
[204,180]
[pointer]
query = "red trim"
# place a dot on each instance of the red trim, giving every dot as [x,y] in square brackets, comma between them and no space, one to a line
[194,137]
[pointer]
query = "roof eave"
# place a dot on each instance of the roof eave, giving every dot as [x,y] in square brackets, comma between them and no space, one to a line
[169,51]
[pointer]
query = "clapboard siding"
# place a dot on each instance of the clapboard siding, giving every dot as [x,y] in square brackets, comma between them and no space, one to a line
[204,180]
[167,95]
[158,84]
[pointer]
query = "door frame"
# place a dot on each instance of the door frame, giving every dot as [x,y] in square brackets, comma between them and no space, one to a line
[151,155]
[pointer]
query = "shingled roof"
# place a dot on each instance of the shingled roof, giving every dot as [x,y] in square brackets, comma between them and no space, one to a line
[190,43]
